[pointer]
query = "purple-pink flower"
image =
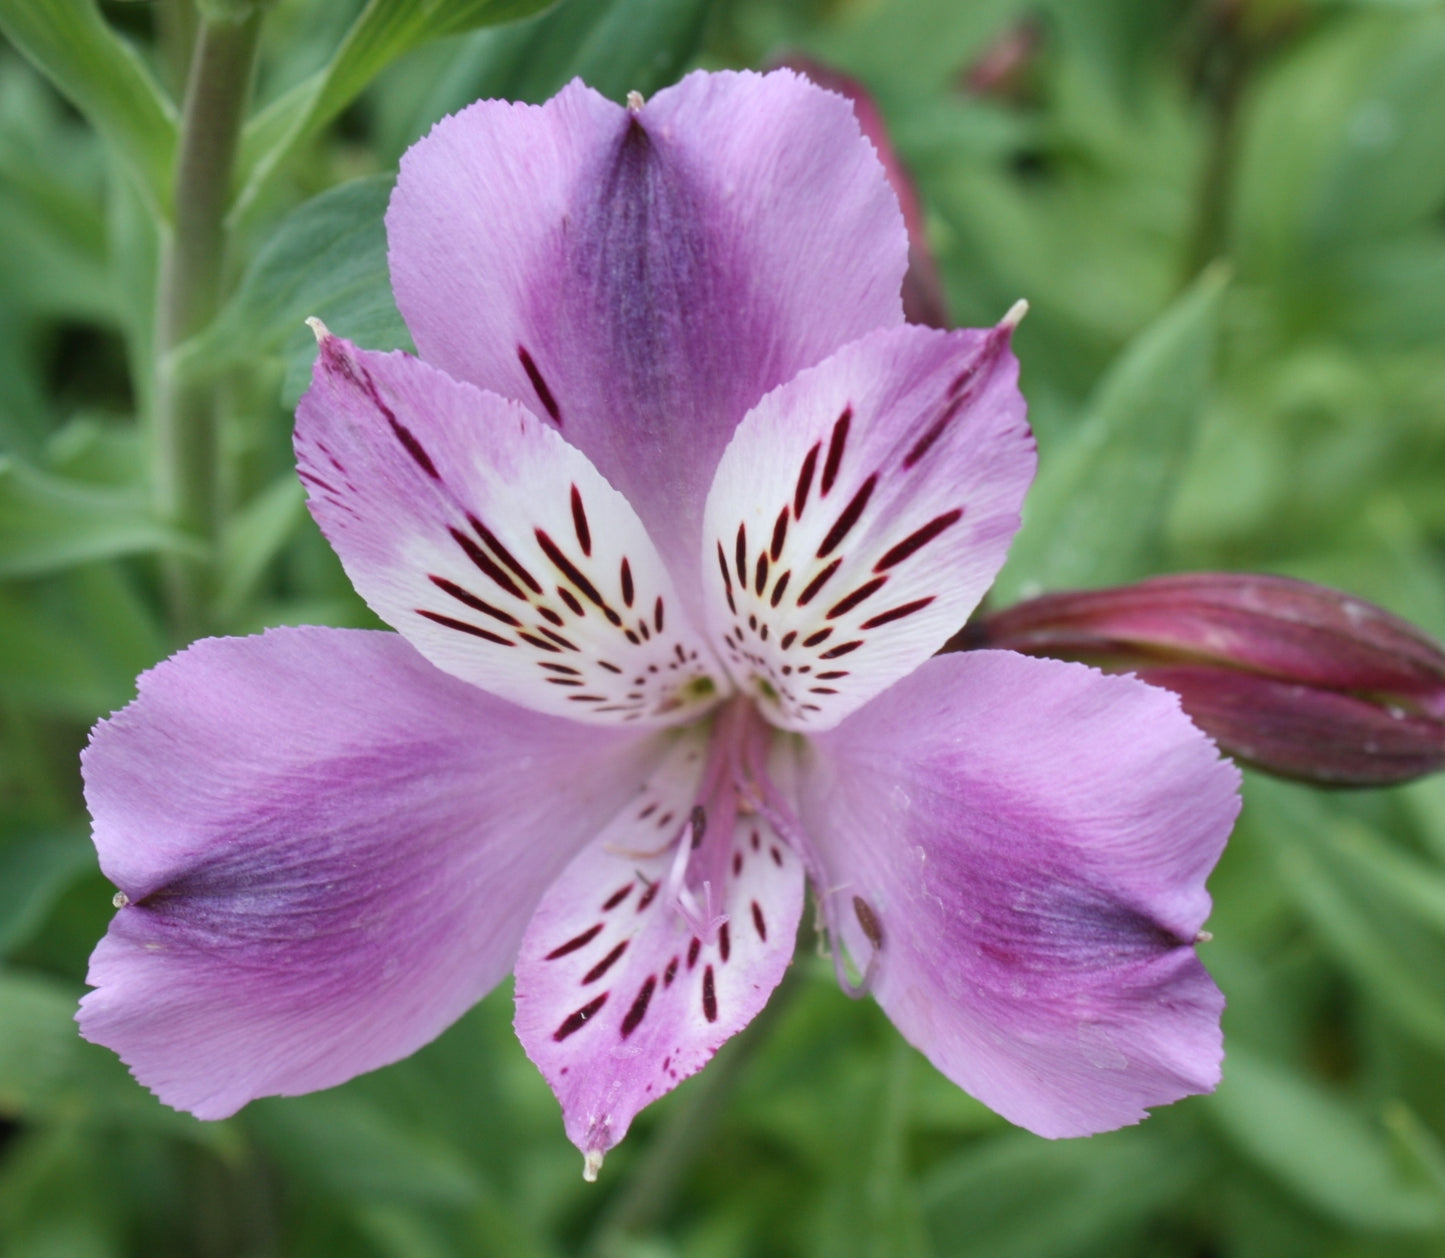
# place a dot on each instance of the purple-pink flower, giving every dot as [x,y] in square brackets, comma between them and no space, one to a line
[670,517]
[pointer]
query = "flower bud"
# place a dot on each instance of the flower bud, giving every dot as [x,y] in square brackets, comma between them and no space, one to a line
[1297,679]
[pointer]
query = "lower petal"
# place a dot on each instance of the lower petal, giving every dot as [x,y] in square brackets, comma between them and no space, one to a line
[619,995]
[1016,852]
[327,851]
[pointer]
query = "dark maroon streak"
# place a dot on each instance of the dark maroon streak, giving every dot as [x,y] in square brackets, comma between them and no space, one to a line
[737,863]
[540,643]
[639,1006]
[649,895]
[780,534]
[461,626]
[564,681]
[847,603]
[578,941]
[789,638]
[776,855]
[412,446]
[724,941]
[810,590]
[571,600]
[575,1021]
[779,586]
[821,690]
[697,820]
[617,897]
[579,522]
[568,569]
[760,581]
[544,394]
[917,540]
[566,643]
[813,639]
[741,555]
[868,920]
[709,996]
[587,698]
[831,654]
[722,563]
[670,973]
[472,601]
[833,674]
[607,962]
[502,553]
[835,451]
[925,442]
[551,617]
[692,950]
[657,614]
[849,517]
[805,480]
[559,668]
[484,562]
[317,481]
[627,590]
[759,924]
[611,668]
[897,613]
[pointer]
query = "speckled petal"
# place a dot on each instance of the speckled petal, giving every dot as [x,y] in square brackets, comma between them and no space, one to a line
[1016,852]
[859,514]
[495,547]
[327,850]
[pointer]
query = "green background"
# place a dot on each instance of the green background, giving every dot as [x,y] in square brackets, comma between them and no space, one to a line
[1229,221]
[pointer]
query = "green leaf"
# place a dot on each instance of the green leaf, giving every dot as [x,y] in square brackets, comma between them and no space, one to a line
[33,873]
[70,42]
[48,523]
[1095,514]
[1017,1196]
[343,1146]
[254,537]
[326,258]
[1379,910]
[383,32]
[1319,1146]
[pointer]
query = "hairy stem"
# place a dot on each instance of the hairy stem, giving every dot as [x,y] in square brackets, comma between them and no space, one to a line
[186,472]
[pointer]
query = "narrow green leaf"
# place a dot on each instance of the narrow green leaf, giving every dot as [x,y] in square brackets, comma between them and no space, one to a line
[326,258]
[384,31]
[1319,1146]
[253,538]
[341,1145]
[70,42]
[33,873]
[1016,1196]
[1380,911]
[1096,512]
[48,523]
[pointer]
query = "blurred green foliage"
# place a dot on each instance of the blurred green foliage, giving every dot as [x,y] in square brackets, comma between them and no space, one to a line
[1228,217]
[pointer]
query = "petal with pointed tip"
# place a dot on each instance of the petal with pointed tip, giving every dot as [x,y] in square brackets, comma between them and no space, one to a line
[330,850]
[1029,840]
[618,997]
[860,513]
[495,547]
[644,278]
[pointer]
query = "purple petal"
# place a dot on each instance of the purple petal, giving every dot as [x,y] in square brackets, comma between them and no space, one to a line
[1018,849]
[644,278]
[859,515]
[493,546]
[327,851]
[619,998]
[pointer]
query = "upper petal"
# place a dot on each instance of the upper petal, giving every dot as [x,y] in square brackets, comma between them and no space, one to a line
[495,547]
[644,277]
[859,514]
[1017,849]
[327,851]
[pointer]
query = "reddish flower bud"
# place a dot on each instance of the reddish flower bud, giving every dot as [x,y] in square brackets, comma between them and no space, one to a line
[923,299]
[1298,679]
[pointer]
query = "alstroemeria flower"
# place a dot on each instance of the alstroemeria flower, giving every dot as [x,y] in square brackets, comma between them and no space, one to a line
[670,517]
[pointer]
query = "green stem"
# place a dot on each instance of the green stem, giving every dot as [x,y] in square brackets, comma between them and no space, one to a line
[186,468]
